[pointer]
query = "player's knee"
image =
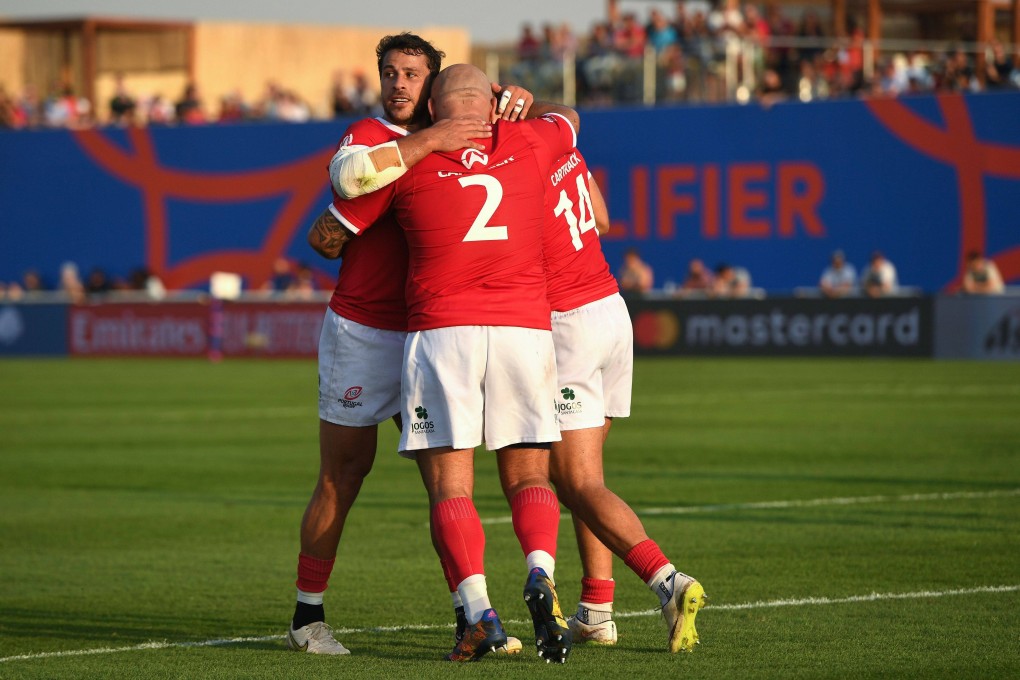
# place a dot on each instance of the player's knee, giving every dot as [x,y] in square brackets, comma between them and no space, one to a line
[346,472]
[513,487]
[573,491]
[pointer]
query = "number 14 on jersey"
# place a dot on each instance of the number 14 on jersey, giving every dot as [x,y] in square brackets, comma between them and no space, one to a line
[584,220]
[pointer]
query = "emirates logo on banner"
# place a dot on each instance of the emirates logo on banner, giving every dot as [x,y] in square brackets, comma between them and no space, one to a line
[472,156]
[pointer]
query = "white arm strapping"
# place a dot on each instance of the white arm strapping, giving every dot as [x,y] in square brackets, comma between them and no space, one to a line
[353,173]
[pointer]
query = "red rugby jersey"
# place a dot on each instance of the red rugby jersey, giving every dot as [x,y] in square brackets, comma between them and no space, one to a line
[576,270]
[474,223]
[373,272]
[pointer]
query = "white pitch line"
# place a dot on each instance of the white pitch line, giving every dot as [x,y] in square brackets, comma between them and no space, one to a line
[139,648]
[814,502]
[873,597]
[873,390]
[809,503]
[111,415]
[796,602]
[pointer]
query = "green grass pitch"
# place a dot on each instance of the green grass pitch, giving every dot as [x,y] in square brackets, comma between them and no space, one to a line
[848,518]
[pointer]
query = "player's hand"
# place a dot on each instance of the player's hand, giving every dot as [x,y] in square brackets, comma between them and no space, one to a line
[454,134]
[513,102]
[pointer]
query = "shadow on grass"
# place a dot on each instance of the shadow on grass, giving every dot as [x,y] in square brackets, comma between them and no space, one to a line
[111,628]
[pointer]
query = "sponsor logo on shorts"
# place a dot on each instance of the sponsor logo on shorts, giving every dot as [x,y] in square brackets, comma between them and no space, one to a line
[423,425]
[349,400]
[568,405]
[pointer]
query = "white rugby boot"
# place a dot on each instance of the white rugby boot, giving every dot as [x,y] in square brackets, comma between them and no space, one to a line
[603,633]
[315,638]
[688,598]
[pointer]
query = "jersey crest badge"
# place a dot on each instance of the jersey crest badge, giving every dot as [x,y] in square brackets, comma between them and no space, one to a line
[472,156]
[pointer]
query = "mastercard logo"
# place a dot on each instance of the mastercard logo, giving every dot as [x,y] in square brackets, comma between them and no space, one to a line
[656,329]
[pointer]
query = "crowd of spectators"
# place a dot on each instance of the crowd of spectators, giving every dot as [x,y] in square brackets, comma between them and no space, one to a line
[62,108]
[293,280]
[791,59]
[637,279]
[290,280]
[840,279]
[788,58]
[70,284]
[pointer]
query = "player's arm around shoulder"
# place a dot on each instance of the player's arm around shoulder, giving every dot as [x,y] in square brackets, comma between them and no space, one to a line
[358,170]
[451,134]
[556,125]
[516,103]
[540,108]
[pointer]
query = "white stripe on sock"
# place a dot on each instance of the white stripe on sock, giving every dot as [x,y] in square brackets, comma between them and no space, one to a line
[309,598]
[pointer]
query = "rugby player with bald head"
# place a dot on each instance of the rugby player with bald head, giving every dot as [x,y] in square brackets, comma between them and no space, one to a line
[478,361]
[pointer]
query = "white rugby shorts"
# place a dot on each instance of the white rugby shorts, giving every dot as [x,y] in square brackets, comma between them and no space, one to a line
[595,362]
[359,372]
[468,384]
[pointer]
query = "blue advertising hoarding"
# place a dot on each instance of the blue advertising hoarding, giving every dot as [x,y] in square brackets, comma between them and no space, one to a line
[774,190]
[33,329]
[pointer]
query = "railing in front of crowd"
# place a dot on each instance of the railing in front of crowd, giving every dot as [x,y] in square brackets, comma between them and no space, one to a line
[735,69]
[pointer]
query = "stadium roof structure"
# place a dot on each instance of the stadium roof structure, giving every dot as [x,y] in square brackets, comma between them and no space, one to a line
[81,35]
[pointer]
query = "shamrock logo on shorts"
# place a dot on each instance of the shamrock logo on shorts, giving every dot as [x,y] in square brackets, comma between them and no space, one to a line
[421,412]
[567,393]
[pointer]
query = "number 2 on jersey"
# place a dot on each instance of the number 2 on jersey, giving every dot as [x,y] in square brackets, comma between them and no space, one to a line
[585,220]
[480,230]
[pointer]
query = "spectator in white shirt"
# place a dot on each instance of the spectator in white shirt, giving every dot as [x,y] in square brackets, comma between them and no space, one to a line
[839,279]
[879,277]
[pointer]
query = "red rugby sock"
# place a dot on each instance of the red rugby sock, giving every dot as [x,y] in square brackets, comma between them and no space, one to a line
[313,573]
[461,539]
[536,517]
[597,591]
[448,575]
[645,559]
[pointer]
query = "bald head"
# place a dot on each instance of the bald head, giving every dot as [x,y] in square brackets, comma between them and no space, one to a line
[461,91]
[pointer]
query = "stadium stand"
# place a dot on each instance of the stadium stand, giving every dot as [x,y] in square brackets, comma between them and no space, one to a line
[702,53]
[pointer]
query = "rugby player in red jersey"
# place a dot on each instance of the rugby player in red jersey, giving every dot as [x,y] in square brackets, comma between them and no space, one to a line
[594,344]
[362,341]
[478,361]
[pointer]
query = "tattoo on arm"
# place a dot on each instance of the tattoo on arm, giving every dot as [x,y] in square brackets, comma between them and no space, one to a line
[327,236]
